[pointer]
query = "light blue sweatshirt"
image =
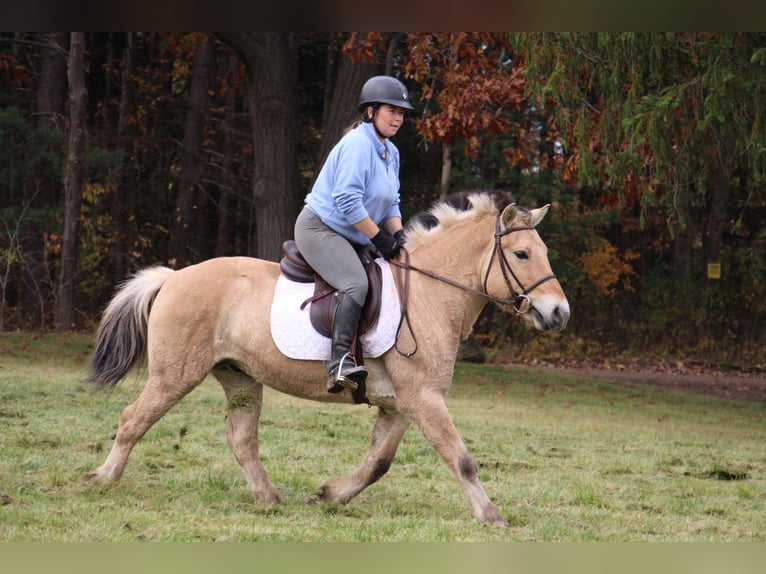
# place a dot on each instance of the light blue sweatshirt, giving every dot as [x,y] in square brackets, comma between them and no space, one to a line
[356,181]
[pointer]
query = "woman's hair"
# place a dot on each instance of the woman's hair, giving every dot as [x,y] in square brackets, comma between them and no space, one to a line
[351,126]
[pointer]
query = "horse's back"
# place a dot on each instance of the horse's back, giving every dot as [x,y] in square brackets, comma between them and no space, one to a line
[214,296]
[230,265]
[213,277]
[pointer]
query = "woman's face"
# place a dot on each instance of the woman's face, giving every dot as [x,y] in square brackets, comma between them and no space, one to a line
[388,120]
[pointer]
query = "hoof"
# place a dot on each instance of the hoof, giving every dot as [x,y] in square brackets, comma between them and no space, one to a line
[95,477]
[496,520]
[91,476]
[319,496]
[271,499]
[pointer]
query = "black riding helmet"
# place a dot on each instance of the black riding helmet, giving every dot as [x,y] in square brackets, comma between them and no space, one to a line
[384,90]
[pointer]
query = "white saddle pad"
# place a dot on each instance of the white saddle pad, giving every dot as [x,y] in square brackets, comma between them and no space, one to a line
[295,337]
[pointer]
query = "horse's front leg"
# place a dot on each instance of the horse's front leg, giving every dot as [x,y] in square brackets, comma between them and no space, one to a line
[386,435]
[430,414]
[245,401]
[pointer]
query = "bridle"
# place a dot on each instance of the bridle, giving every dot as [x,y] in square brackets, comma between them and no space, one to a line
[519,301]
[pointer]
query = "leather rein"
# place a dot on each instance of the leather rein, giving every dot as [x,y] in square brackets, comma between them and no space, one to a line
[520,301]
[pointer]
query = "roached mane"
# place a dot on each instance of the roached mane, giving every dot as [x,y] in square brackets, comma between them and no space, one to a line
[452,209]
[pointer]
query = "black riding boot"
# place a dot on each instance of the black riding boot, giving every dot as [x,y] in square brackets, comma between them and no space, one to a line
[343,371]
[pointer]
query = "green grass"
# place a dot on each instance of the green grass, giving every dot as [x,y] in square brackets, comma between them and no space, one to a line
[564,458]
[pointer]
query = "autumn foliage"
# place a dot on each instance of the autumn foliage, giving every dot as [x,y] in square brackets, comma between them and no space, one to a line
[648,145]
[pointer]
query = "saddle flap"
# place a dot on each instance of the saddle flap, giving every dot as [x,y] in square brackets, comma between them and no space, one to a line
[297,338]
[324,301]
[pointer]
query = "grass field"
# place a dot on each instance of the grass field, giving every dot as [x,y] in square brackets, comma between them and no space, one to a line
[564,458]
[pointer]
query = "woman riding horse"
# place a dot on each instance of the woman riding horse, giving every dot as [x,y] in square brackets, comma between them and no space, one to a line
[214,317]
[355,202]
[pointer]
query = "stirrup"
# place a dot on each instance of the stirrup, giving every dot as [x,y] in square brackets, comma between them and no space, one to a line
[354,375]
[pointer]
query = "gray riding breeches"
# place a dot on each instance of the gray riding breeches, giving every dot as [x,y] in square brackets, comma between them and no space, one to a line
[331,255]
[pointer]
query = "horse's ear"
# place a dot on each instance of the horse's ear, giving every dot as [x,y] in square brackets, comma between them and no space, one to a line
[509,215]
[538,214]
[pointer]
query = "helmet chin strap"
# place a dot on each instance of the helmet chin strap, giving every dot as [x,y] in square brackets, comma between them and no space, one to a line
[371,120]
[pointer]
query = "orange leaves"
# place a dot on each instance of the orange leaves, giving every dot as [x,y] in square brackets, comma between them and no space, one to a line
[12,73]
[53,243]
[609,270]
[469,85]
[361,46]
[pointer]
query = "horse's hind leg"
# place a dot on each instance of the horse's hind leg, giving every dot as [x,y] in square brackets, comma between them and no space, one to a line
[386,435]
[244,398]
[152,404]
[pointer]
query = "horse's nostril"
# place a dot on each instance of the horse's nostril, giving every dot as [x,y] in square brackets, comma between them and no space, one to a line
[562,317]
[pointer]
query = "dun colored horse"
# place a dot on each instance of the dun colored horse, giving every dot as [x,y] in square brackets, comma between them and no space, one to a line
[213,317]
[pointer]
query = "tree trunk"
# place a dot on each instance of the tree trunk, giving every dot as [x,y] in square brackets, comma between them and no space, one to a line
[108,118]
[269,59]
[73,181]
[446,170]
[127,72]
[681,248]
[122,203]
[720,180]
[51,92]
[36,288]
[344,102]
[682,255]
[227,201]
[184,235]
[393,44]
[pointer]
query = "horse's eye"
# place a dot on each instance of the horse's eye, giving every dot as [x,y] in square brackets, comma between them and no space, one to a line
[521,254]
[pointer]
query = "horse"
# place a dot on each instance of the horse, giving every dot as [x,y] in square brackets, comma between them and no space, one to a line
[213,317]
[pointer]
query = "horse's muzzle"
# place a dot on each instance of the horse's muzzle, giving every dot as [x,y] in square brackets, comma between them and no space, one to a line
[551,317]
[559,318]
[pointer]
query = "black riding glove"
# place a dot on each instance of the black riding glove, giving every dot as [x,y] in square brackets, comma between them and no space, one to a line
[399,236]
[386,245]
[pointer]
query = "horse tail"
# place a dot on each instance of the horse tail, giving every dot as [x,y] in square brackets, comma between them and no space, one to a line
[121,337]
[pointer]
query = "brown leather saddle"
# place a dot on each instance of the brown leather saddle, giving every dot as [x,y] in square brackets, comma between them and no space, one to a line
[323,302]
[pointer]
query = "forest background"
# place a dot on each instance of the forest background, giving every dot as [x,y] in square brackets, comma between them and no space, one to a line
[124,150]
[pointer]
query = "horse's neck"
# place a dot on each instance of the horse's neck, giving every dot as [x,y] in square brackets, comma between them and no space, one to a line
[458,255]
